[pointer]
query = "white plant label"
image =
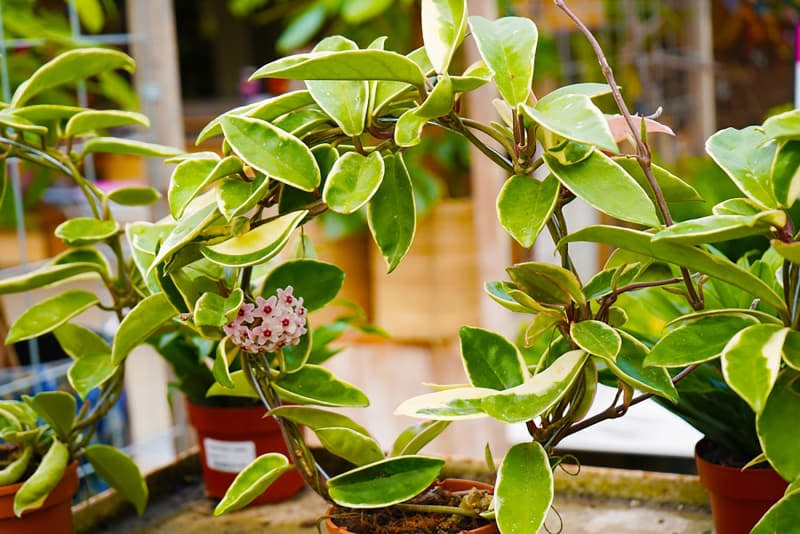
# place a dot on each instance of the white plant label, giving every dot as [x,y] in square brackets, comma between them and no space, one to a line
[229,456]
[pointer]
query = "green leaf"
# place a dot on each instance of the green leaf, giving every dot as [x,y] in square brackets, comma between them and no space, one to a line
[114,145]
[90,371]
[547,283]
[524,490]
[777,431]
[699,341]
[9,119]
[49,314]
[596,338]
[498,291]
[746,158]
[57,408]
[349,444]
[603,184]
[256,246]
[68,68]
[444,24]
[85,231]
[35,490]
[790,251]
[391,212]
[48,275]
[786,172]
[592,90]
[781,517]
[187,181]
[456,404]
[144,320]
[524,206]
[576,118]
[508,46]
[791,350]
[539,393]
[629,368]
[316,418]
[15,470]
[134,196]
[302,27]
[318,386]
[78,341]
[253,481]
[715,228]
[272,151]
[225,354]
[316,282]
[345,101]
[384,483]
[783,125]
[490,360]
[93,120]
[236,197]
[344,65]
[388,91]
[414,438]
[751,361]
[477,75]
[353,181]
[690,257]
[185,231]
[120,472]
[359,11]
[212,309]
[673,188]
[43,113]
[241,388]
[408,129]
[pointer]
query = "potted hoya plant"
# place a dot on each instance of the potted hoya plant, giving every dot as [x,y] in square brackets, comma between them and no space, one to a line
[43,436]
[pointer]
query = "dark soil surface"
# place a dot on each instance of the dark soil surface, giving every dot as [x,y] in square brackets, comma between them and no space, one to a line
[717,454]
[393,521]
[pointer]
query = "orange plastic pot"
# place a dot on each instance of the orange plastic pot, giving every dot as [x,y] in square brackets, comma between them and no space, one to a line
[53,517]
[229,439]
[738,498]
[450,484]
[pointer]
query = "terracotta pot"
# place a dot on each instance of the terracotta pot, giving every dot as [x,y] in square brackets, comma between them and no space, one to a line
[54,516]
[451,484]
[738,498]
[229,439]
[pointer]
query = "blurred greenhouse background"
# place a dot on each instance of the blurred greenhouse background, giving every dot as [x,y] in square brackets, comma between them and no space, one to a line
[706,64]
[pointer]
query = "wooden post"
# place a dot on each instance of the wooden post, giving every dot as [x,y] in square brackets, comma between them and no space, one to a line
[701,73]
[493,246]
[151,24]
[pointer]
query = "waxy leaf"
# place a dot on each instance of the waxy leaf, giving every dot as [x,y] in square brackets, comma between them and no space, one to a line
[690,257]
[187,181]
[781,517]
[508,46]
[384,483]
[252,481]
[92,120]
[746,158]
[414,438]
[144,320]
[524,206]
[539,393]
[241,387]
[344,65]
[603,184]
[9,120]
[387,91]
[391,212]
[78,341]
[114,145]
[49,314]
[715,228]
[477,75]
[352,181]
[85,231]
[698,341]
[120,472]
[57,408]
[316,418]
[791,350]
[783,125]
[134,196]
[272,151]
[315,281]
[751,361]
[256,246]
[596,338]
[48,275]
[576,118]
[592,90]
[673,188]
[777,429]
[629,368]
[90,371]
[490,360]
[225,354]
[447,405]
[408,129]
[236,197]
[35,490]
[317,386]
[524,490]
[444,24]
[345,101]
[499,292]
[349,444]
[547,283]
[737,206]
[185,231]
[68,68]
[43,113]
[439,101]
[786,172]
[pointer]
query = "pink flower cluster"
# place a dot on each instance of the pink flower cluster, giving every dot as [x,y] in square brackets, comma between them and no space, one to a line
[269,324]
